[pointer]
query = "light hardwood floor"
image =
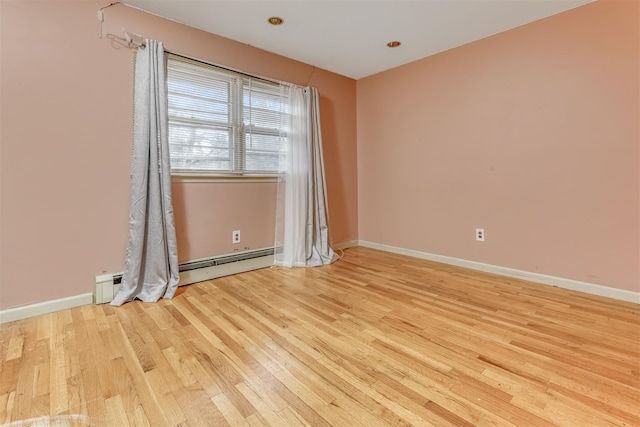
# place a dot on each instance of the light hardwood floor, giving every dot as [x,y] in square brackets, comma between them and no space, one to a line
[375,339]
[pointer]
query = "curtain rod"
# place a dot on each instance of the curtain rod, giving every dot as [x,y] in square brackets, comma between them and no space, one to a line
[253,76]
[136,41]
[130,40]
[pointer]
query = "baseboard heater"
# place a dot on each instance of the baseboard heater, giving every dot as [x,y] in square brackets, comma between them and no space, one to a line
[107,285]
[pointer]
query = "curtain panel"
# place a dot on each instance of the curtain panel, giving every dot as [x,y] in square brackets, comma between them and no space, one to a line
[151,260]
[302,222]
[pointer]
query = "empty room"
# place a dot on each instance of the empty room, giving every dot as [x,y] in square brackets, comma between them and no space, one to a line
[320,213]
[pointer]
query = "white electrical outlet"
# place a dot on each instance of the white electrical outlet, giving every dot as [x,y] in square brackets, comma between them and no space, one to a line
[236,236]
[480,234]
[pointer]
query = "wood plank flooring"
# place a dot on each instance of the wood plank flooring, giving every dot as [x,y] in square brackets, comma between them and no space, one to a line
[375,339]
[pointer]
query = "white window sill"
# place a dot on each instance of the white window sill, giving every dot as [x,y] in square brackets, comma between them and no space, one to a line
[184,177]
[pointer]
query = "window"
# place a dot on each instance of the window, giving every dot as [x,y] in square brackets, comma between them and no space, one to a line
[221,122]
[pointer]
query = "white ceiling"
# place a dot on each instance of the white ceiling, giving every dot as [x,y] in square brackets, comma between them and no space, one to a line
[350,37]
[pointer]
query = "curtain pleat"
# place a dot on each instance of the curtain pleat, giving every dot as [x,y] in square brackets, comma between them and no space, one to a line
[302,223]
[151,260]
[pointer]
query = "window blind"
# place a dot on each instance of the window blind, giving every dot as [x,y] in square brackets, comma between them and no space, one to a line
[221,121]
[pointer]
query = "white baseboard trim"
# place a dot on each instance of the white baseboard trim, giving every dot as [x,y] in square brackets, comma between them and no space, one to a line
[46,307]
[345,245]
[106,289]
[193,276]
[560,282]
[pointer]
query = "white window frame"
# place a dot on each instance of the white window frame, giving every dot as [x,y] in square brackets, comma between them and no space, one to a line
[238,82]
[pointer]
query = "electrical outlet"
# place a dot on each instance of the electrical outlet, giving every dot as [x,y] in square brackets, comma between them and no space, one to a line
[480,234]
[236,237]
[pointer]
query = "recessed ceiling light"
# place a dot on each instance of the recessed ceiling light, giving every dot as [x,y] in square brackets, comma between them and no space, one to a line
[394,44]
[275,20]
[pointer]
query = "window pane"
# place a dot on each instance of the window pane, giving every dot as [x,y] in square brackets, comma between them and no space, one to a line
[220,121]
[200,121]
[262,162]
[188,101]
[263,106]
[262,152]
[262,142]
[200,147]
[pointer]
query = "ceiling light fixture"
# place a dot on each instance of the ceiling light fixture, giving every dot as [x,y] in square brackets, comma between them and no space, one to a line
[394,44]
[275,20]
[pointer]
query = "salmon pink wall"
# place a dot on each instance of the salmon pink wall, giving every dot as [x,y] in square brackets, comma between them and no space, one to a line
[531,134]
[66,110]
